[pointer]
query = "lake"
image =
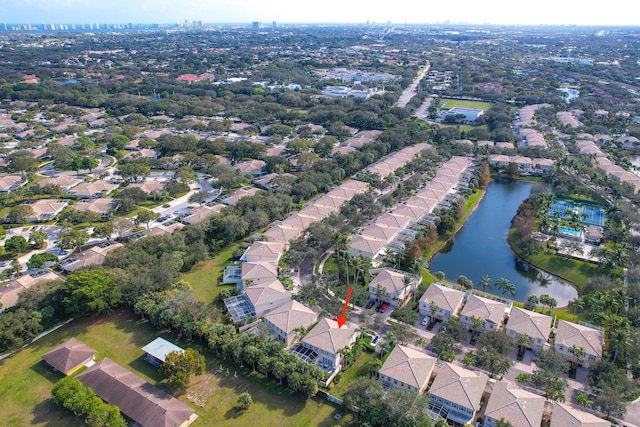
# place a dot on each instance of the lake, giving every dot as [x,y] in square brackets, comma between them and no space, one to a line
[480,248]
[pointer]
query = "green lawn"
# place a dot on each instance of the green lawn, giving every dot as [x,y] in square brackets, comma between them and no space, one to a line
[357,370]
[204,276]
[26,381]
[574,271]
[449,103]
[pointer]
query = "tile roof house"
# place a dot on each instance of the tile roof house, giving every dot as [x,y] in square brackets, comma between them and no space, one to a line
[9,291]
[235,196]
[536,326]
[251,167]
[137,399]
[456,392]
[149,185]
[263,252]
[266,296]
[491,312]
[282,234]
[396,286]
[448,300]
[568,415]
[284,321]
[300,222]
[369,247]
[87,190]
[91,256]
[64,182]
[201,213]
[103,206]
[327,339]
[519,407]
[258,272]
[589,339]
[69,356]
[407,369]
[45,209]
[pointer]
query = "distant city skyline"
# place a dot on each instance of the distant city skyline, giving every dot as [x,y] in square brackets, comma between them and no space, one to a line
[541,12]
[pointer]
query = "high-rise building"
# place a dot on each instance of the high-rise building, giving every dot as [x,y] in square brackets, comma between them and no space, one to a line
[4,26]
[257,25]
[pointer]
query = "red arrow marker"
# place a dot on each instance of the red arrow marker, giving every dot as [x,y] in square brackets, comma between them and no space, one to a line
[342,319]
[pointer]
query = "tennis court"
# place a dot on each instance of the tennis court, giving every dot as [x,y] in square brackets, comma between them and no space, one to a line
[590,214]
[593,216]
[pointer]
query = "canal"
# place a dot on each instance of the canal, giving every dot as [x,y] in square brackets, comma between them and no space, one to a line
[480,248]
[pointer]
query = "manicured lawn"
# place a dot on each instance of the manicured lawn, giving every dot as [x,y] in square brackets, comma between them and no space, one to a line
[26,381]
[357,370]
[461,103]
[574,271]
[204,276]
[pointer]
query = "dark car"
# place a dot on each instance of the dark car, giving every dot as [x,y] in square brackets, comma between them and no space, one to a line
[383,307]
[370,304]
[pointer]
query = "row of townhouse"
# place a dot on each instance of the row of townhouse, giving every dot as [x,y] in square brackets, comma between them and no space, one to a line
[393,228]
[587,146]
[482,314]
[264,296]
[526,165]
[456,394]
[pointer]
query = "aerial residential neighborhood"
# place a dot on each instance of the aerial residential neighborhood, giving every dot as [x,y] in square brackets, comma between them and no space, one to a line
[320,224]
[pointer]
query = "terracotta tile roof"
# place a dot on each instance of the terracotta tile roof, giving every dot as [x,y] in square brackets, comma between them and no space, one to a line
[410,366]
[535,325]
[568,415]
[521,408]
[570,334]
[459,385]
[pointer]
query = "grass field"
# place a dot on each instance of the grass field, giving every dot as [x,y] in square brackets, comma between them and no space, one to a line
[26,381]
[449,103]
[572,270]
[204,276]
[360,369]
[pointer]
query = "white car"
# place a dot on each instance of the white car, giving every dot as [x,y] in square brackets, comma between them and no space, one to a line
[425,321]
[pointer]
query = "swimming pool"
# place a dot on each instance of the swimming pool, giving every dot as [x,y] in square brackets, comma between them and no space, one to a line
[570,231]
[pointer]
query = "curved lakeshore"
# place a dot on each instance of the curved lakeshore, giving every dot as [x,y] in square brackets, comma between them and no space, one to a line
[480,247]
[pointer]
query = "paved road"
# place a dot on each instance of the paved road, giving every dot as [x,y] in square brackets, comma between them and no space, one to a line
[411,90]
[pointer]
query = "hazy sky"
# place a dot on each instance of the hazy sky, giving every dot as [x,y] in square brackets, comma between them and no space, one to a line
[612,12]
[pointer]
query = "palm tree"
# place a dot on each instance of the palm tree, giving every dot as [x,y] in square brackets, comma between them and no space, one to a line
[419,264]
[485,283]
[620,341]
[433,309]
[523,343]
[421,342]
[578,353]
[476,325]
[506,286]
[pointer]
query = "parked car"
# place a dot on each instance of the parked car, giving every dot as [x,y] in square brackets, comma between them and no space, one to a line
[425,321]
[375,340]
[370,304]
[383,307]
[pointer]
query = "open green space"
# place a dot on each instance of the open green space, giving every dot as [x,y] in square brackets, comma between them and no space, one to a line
[26,381]
[449,103]
[572,270]
[358,370]
[204,276]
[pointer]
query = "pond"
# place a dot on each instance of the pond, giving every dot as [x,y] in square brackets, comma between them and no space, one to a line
[480,248]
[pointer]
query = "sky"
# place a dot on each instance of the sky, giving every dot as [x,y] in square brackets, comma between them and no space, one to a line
[523,12]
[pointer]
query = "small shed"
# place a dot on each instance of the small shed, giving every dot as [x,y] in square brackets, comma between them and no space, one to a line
[158,349]
[69,356]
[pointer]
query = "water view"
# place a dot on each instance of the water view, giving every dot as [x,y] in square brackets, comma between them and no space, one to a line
[480,248]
